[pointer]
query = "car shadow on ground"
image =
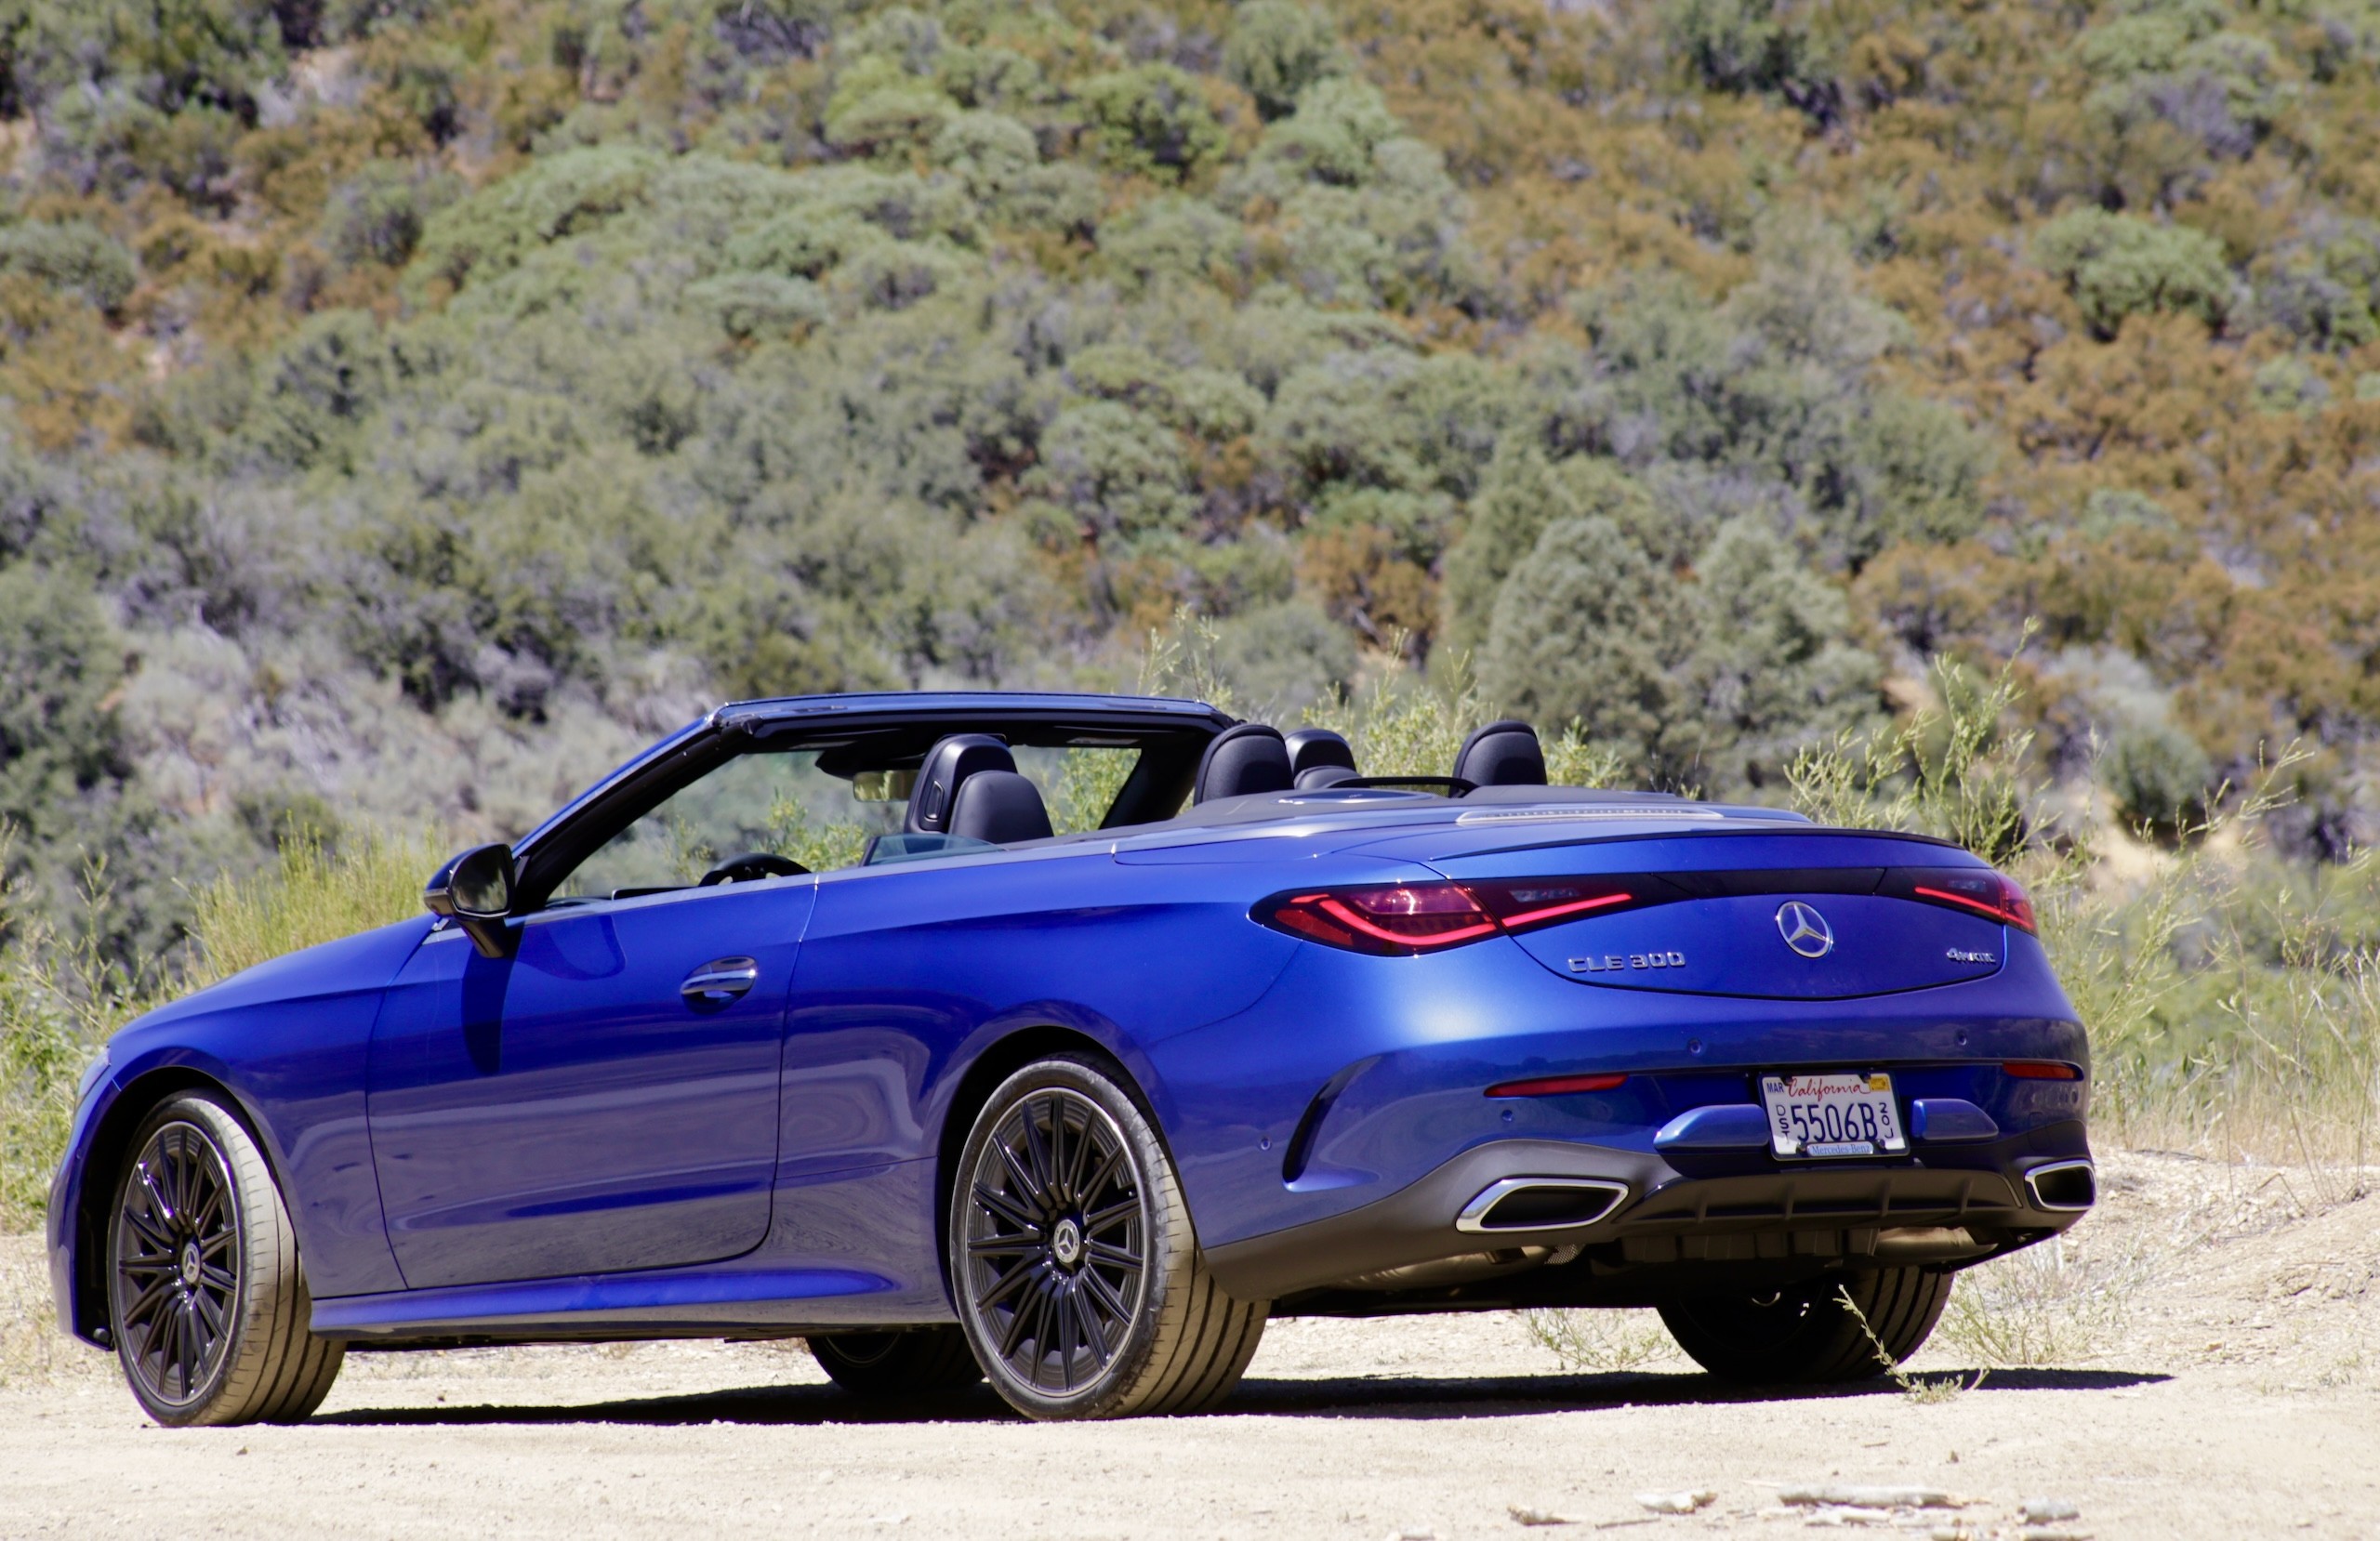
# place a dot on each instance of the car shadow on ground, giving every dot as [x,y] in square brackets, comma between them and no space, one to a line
[1343,1397]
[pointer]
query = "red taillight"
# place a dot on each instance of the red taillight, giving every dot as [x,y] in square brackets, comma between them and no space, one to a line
[1521,903]
[1407,918]
[2039,1070]
[1389,922]
[1556,1086]
[1977,890]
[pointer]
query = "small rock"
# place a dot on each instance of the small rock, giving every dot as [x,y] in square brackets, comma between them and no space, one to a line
[1522,1516]
[1675,1503]
[2043,1511]
[1868,1497]
[2052,1533]
[1412,1535]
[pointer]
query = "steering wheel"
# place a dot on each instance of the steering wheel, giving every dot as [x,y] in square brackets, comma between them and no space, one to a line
[750,867]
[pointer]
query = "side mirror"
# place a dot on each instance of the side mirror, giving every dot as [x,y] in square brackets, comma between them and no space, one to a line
[475,891]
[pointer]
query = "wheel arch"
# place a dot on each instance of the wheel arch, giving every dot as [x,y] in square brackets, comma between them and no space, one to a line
[105,1154]
[1001,1059]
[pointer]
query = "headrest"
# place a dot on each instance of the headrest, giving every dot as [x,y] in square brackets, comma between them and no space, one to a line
[1317,749]
[946,768]
[999,806]
[1246,758]
[1502,754]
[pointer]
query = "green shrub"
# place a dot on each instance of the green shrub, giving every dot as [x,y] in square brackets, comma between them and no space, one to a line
[1152,121]
[1277,49]
[2160,777]
[74,257]
[59,665]
[2116,266]
[378,215]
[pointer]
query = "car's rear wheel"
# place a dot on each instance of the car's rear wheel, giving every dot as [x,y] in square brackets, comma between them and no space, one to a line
[898,1364]
[1076,1273]
[1807,1334]
[206,1299]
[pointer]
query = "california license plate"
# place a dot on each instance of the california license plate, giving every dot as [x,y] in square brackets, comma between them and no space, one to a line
[1832,1115]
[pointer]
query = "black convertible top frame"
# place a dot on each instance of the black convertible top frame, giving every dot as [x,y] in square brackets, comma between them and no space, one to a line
[877,732]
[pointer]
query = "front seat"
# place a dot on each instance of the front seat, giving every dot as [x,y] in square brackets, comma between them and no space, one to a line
[968,786]
[1502,754]
[1318,757]
[1245,757]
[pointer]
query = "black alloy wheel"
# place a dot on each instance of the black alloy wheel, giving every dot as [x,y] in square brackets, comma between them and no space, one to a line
[206,1300]
[177,1264]
[1077,1272]
[1056,1240]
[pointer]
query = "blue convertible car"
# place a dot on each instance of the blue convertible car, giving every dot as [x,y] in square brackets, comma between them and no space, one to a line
[1078,1112]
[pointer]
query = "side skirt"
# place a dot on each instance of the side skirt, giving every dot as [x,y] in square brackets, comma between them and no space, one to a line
[679,1303]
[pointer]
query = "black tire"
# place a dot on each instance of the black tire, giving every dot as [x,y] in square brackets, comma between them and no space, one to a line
[1073,1262]
[1806,1335]
[916,1362]
[206,1299]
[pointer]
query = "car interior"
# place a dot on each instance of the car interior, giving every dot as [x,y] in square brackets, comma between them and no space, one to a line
[907,791]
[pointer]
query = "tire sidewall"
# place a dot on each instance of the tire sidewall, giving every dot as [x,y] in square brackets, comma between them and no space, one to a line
[224,1133]
[1169,1245]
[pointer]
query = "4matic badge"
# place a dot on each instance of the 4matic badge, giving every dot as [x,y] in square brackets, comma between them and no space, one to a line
[1615,963]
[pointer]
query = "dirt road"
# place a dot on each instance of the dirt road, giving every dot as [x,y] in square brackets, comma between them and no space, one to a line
[2224,1323]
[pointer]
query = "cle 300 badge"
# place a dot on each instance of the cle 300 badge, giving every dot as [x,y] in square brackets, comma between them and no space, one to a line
[1614,963]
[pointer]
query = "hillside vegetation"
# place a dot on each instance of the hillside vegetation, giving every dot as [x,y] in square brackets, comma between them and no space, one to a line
[410,406]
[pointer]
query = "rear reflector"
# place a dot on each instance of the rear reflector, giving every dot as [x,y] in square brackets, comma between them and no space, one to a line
[1556,1086]
[2041,1070]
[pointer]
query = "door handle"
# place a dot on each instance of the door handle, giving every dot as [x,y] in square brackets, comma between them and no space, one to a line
[721,979]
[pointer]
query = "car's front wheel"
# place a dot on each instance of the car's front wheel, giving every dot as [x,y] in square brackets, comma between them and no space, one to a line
[206,1299]
[1076,1271]
[1810,1333]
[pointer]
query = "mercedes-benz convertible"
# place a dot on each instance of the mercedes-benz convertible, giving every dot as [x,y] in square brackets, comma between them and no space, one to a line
[1078,1109]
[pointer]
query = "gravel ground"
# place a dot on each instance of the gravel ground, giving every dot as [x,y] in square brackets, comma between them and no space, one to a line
[2216,1329]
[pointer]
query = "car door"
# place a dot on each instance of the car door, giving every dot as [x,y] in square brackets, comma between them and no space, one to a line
[605,1099]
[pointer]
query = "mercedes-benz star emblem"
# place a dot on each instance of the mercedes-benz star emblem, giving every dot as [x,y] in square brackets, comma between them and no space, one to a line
[1805,929]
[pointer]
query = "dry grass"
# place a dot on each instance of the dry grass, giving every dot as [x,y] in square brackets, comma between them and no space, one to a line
[316,893]
[1604,1342]
[2042,1307]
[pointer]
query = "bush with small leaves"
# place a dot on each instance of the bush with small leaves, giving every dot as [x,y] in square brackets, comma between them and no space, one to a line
[2118,265]
[2159,776]
[1153,121]
[74,257]
[1277,49]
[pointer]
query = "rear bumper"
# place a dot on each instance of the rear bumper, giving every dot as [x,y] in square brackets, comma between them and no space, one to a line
[1688,1221]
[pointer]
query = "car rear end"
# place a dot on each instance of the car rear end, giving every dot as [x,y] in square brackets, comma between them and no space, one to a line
[1572,1059]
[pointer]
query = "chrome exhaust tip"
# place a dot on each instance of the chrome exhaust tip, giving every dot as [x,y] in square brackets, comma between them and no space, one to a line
[2066,1186]
[1540,1204]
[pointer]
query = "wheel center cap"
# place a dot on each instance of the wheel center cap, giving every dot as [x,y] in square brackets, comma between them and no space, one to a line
[1065,1243]
[191,1265]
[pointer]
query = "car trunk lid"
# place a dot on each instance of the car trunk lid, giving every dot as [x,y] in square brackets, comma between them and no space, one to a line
[1813,914]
